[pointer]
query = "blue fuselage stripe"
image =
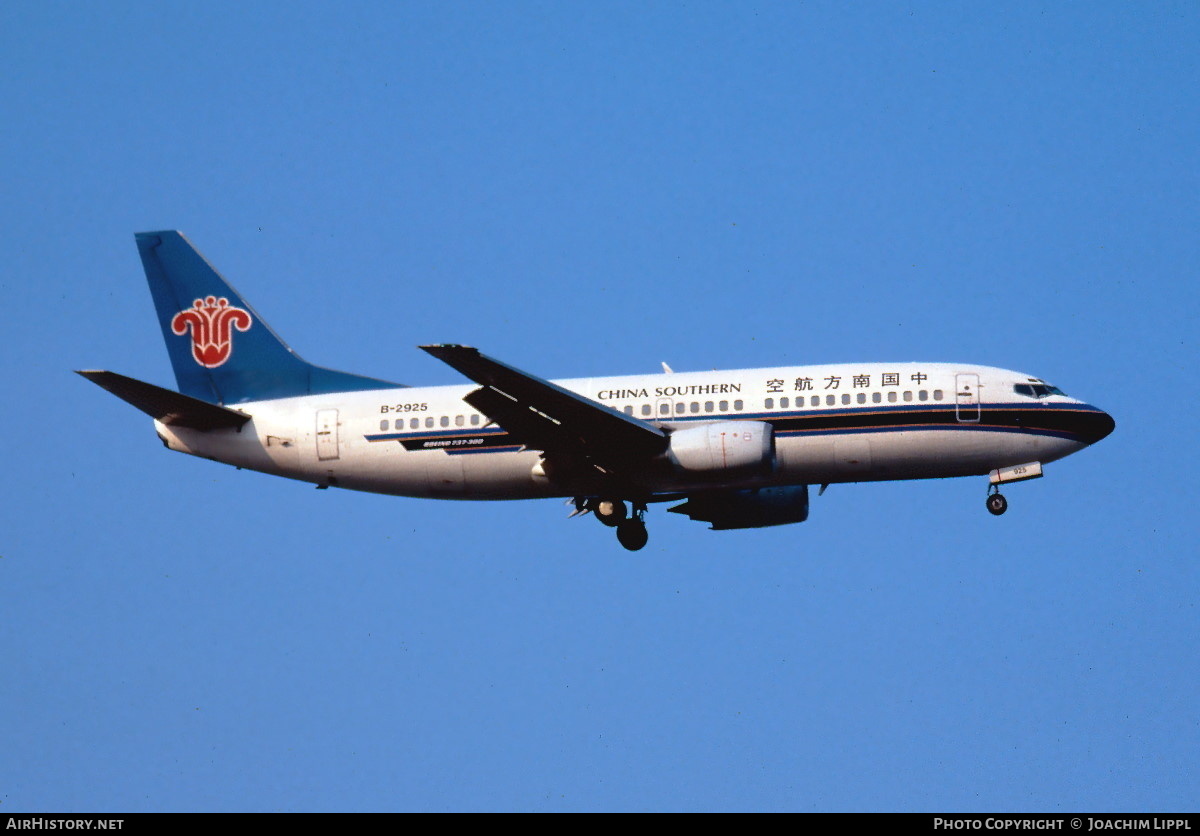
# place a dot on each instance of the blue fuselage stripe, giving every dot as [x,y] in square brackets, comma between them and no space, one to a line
[1066,421]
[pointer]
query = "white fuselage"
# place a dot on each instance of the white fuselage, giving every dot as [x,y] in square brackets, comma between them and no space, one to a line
[833,423]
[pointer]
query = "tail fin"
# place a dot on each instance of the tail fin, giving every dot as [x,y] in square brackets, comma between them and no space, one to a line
[221,349]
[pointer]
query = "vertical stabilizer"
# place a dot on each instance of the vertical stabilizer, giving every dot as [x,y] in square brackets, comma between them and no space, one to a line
[222,351]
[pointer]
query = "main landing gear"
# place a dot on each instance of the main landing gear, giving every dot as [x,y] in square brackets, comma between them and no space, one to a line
[631,527]
[611,512]
[632,533]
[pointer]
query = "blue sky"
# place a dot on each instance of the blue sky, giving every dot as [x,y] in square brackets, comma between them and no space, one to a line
[585,189]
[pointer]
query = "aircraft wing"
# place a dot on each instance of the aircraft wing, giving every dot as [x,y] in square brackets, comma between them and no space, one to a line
[544,416]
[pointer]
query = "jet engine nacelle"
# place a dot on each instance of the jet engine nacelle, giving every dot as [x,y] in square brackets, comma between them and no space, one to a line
[756,508]
[723,447]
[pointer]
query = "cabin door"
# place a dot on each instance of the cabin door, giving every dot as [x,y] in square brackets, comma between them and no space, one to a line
[966,397]
[327,434]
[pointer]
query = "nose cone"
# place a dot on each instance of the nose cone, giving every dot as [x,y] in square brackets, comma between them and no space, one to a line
[1094,425]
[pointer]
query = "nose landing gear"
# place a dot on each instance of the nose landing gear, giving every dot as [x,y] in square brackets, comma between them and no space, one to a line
[996,503]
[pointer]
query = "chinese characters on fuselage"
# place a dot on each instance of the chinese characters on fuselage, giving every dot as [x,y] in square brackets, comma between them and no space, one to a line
[833,381]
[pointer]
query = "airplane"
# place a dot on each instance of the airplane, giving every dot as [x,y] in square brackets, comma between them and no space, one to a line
[737,449]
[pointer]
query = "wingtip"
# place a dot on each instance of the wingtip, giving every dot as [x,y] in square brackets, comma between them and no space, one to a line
[441,349]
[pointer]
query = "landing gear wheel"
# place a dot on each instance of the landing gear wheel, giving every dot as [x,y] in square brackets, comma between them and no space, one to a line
[610,511]
[632,534]
[997,504]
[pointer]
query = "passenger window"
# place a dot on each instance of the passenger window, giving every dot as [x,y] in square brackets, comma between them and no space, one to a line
[845,399]
[475,420]
[769,403]
[937,394]
[891,397]
[445,421]
[708,406]
[830,400]
[695,407]
[459,420]
[664,408]
[383,425]
[680,408]
[876,397]
[414,423]
[862,397]
[922,395]
[723,406]
[816,400]
[646,409]
[429,421]
[907,396]
[783,403]
[629,410]
[737,405]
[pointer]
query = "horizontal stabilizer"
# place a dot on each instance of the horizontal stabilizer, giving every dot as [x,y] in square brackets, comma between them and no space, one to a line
[167,406]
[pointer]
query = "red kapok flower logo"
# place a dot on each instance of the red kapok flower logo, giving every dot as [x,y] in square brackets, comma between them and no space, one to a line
[211,321]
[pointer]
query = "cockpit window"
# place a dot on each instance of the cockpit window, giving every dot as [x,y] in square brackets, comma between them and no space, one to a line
[1037,390]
